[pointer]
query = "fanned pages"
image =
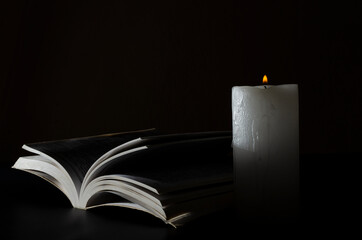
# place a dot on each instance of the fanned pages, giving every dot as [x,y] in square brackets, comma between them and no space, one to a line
[174,177]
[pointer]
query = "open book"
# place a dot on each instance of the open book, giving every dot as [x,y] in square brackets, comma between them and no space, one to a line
[173,177]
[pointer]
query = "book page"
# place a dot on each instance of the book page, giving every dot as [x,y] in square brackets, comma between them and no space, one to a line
[177,165]
[77,155]
[140,144]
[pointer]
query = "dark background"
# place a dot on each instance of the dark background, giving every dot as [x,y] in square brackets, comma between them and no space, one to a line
[78,68]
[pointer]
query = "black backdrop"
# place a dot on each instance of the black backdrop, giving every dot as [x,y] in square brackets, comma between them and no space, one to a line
[77,68]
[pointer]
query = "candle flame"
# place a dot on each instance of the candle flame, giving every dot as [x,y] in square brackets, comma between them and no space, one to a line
[265,79]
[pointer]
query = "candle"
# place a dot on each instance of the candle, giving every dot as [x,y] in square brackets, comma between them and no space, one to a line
[266,150]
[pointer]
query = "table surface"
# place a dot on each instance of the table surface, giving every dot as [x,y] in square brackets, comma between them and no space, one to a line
[33,208]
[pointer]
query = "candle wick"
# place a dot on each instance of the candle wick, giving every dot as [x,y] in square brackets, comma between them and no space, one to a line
[264,86]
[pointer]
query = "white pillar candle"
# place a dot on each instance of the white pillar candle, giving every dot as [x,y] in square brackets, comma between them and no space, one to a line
[266,150]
